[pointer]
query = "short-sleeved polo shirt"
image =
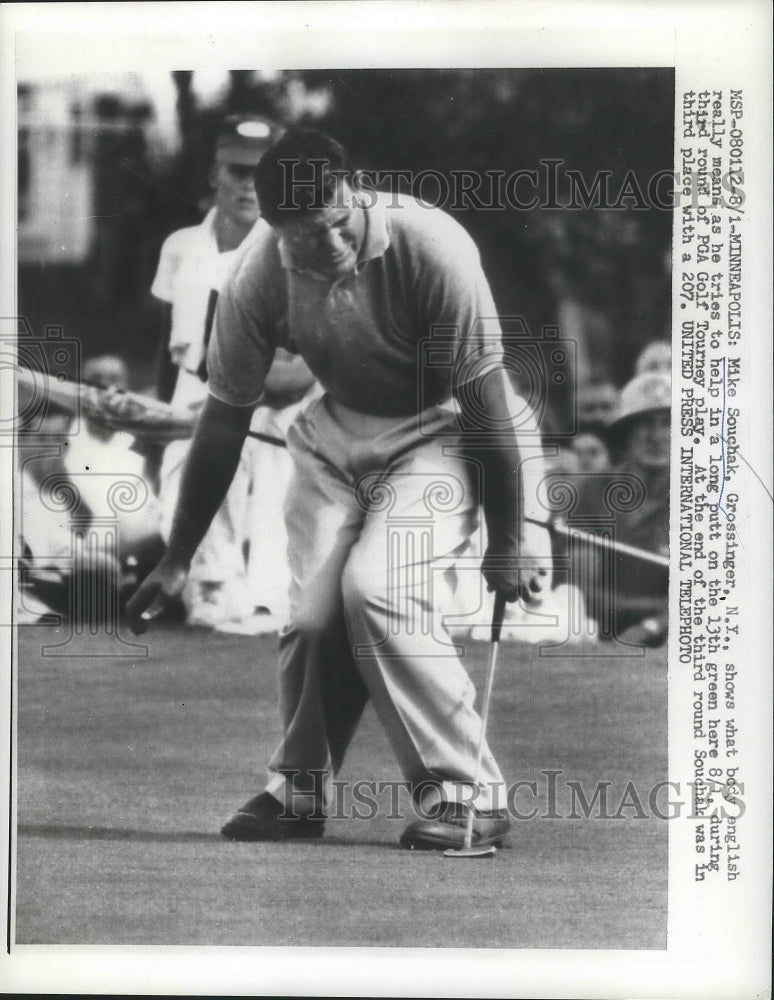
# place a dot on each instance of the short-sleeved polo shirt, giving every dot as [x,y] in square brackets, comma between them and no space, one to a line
[383,339]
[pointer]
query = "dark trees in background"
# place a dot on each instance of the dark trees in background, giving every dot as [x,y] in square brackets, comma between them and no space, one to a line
[612,264]
[615,261]
[602,274]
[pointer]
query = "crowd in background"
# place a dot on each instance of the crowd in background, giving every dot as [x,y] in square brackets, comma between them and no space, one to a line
[616,468]
[609,444]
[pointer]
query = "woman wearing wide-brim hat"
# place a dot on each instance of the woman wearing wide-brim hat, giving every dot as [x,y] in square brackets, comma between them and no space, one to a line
[628,596]
[639,438]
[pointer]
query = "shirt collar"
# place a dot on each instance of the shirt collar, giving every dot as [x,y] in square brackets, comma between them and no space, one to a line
[208,225]
[377,238]
[375,242]
[208,228]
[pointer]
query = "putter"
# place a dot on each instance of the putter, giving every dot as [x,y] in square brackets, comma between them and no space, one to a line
[467,850]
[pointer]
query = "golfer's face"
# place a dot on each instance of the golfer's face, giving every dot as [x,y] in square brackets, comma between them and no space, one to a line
[235,194]
[327,241]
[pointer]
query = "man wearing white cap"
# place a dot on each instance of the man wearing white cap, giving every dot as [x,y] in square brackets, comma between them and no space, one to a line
[193,268]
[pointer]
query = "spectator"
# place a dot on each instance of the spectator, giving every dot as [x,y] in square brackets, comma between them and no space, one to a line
[597,401]
[43,536]
[561,459]
[639,438]
[112,457]
[655,357]
[92,464]
[193,268]
[591,451]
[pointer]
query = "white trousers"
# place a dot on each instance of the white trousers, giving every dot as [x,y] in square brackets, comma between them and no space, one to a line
[374,524]
[221,556]
[268,573]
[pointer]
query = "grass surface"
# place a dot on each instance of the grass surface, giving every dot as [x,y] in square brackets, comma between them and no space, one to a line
[128,768]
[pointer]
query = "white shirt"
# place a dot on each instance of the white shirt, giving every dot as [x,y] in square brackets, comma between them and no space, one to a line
[190,268]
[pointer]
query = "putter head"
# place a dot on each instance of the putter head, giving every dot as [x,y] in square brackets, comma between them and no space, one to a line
[471,852]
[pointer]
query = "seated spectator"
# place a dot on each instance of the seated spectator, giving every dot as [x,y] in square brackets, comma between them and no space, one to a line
[110,455]
[561,459]
[591,451]
[596,402]
[655,357]
[92,478]
[44,546]
[639,438]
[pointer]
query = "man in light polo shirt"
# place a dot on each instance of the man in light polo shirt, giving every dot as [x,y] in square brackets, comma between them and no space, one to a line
[386,301]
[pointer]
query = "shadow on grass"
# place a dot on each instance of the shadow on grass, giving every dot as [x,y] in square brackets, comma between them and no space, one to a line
[53,832]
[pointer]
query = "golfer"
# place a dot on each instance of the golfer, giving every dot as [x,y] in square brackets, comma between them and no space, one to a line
[358,283]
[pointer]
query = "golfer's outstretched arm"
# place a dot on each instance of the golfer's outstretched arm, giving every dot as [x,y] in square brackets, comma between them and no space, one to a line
[518,553]
[212,461]
[502,496]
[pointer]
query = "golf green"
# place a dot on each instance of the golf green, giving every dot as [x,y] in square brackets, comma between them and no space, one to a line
[127,767]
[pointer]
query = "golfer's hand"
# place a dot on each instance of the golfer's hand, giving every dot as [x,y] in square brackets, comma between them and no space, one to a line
[153,595]
[523,574]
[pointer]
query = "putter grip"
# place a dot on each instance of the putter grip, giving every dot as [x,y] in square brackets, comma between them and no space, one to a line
[497,616]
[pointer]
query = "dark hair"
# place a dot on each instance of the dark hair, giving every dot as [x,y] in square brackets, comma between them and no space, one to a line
[299,174]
